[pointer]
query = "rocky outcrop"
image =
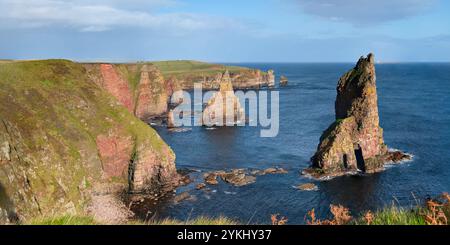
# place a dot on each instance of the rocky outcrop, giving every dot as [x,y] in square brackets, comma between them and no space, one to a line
[355,140]
[152,98]
[270,78]
[63,138]
[237,177]
[170,119]
[224,108]
[283,81]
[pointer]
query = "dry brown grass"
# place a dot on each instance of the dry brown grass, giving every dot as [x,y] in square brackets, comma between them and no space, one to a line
[341,216]
[278,221]
[435,212]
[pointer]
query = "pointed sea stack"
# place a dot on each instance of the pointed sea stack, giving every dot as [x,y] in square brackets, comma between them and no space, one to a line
[224,108]
[355,140]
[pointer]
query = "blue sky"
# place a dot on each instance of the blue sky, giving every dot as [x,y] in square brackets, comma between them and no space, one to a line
[226,31]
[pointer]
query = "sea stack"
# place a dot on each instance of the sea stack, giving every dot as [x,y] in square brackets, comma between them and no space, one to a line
[283,81]
[354,142]
[224,108]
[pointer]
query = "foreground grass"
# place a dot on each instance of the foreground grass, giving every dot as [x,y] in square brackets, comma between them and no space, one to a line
[86,220]
[434,212]
[394,216]
[63,220]
[197,221]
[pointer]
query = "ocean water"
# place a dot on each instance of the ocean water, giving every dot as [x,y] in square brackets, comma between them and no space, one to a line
[414,107]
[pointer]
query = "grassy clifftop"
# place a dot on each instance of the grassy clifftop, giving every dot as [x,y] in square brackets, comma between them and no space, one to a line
[190,67]
[51,118]
[182,74]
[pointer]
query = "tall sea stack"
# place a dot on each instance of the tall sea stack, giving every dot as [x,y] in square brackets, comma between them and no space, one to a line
[355,140]
[224,108]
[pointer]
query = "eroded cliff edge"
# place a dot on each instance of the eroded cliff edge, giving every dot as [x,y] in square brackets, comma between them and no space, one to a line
[64,140]
[354,142]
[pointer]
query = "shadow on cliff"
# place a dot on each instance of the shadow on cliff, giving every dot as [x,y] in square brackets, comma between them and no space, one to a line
[8,205]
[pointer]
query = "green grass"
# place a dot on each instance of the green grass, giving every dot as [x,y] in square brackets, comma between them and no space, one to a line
[189,68]
[396,216]
[86,220]
[202,220]
[63,220]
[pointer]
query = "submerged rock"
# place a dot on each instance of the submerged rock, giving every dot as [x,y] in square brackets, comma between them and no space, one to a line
[355,140]
[269,171]
[200,186]
[308,187]
[182,197]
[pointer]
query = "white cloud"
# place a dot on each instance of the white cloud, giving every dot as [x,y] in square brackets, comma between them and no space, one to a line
[365,12]
[101,16]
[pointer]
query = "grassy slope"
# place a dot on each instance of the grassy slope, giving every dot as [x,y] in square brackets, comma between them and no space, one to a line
[59,112]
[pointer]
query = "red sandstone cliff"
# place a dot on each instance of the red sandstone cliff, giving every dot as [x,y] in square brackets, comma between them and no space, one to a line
[152,98]
[116,85]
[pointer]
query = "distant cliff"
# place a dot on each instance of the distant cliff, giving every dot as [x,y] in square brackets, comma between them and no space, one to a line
[355,140]
[63,138]
[145,88]
[183,75]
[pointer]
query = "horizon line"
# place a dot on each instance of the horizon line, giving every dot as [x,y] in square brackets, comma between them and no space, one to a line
[105,60]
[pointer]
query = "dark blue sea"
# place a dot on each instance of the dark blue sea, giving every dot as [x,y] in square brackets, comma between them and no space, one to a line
[414,107]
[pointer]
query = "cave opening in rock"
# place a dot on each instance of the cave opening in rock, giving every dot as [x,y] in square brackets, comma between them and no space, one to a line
[360,163]
[345,160]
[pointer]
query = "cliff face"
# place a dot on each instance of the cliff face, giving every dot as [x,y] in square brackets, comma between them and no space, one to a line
[355,140]
[62,138]
[224,107]
[116,85]
[141,88]
[152,98]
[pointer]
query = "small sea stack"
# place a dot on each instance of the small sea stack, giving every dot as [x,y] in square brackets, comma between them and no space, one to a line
[170,119]
[354,142]
[283,81]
